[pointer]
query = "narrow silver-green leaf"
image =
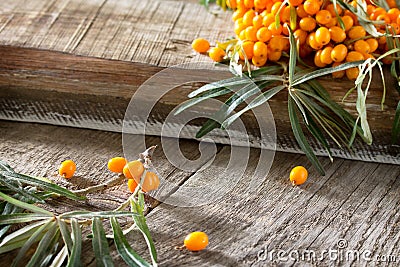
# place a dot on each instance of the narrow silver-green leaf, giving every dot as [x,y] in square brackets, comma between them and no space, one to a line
[101,214]
[22,218]
[292,56]
[22,234]
[75,258]
[301,139]
[60,258]
[24,205]
[65,234]
[100,244]
[44,247]
[124,249]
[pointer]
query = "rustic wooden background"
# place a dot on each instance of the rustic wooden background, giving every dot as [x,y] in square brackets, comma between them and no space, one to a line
[58,55]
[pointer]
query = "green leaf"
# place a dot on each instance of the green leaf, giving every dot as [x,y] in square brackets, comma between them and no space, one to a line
[65,234]
[396,125]
[5,167]
[316,132]
[22,234]
[42,184]
[101,214]
[292,56]
[24,205]
[22,218]
[124,249]
[300,138]
[100,244]
[324,71]
[35,237]
[259,100]
[219,84]
[11,246]
[60,258]
[75,258]
[45,246]
[21,191]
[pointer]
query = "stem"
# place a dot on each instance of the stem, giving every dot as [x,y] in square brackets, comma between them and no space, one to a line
[101,187]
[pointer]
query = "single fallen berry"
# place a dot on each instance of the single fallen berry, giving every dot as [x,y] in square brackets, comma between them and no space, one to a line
[200,45]
[196,241]
[298,175]
[117,164]
[133,170]
[67,169]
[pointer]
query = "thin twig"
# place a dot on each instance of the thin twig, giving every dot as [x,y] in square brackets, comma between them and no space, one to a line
[100,187]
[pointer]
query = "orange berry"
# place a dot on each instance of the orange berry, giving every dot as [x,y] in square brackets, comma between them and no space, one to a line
[196,241]
[249,3]
[307,24]
[231,4]
[274,55]
[311,41]
[339,53]
[239,26]
[301,13]
[352,73]
[348,22]
[295,2]
[356,32]
[305,50]
[259,61]
[311,7]
[377,12]
[248,50]
[268,19]
[352,15]
[373,44]
[216,54]
[132,185]
[248,17]
[362,47]
[322,35]
[150,181]
[337,74]
[298,175]
[238,14]
[260,49]
[200,45]
[323,16]
[258,22]
[260,4]
[133,169]
[393,14]
[117,164]
[384,18]
[263,34]
[285,14]
[276,44]
[251,33]
[354,56]
[338,35]
[67,169]
[300,35]
[394,28]
[325,55]
[331,9]
[242,35]
[275,30]
[275,7]
[317,59]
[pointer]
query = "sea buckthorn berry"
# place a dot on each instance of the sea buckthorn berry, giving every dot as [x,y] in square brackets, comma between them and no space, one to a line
[150,182]
[338,74]
[338,35]
[339,53]
[317,59]
[238,14]
[117,164]
[311,6]
[373,44]
[242,35]
[295,2]
[231,4]
[196,241]
[298,175]
[133,169]
[248,50]
[257,22]
[354,56]
[333,22]
[384,18]
[251,33]
[305,50]
[323,16]
[311,41]
[285,14]
[275,31]
[216,54]
[352,15]
[238,27]
[274,55]
[307,24]
[260,49]
[348,22]
[300,35]
[260,4]
[301,13]
[367,56]
[352,73]
[259,61]
[326,55]
[248,17]
[200,45]
[132,185]
[356,32]
[377,12]
[249,3]
[392,3]
[268,19]
[322,35]
[393,14]
[275,7]
[331,9]
[67,169]
[362,47]
[394,28]
[264,35]
[276,44]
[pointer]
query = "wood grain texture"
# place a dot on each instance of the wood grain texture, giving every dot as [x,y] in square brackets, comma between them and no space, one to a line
[355,201]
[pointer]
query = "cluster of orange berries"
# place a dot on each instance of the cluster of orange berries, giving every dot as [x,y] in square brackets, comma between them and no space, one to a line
[317,29]
[132,170]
